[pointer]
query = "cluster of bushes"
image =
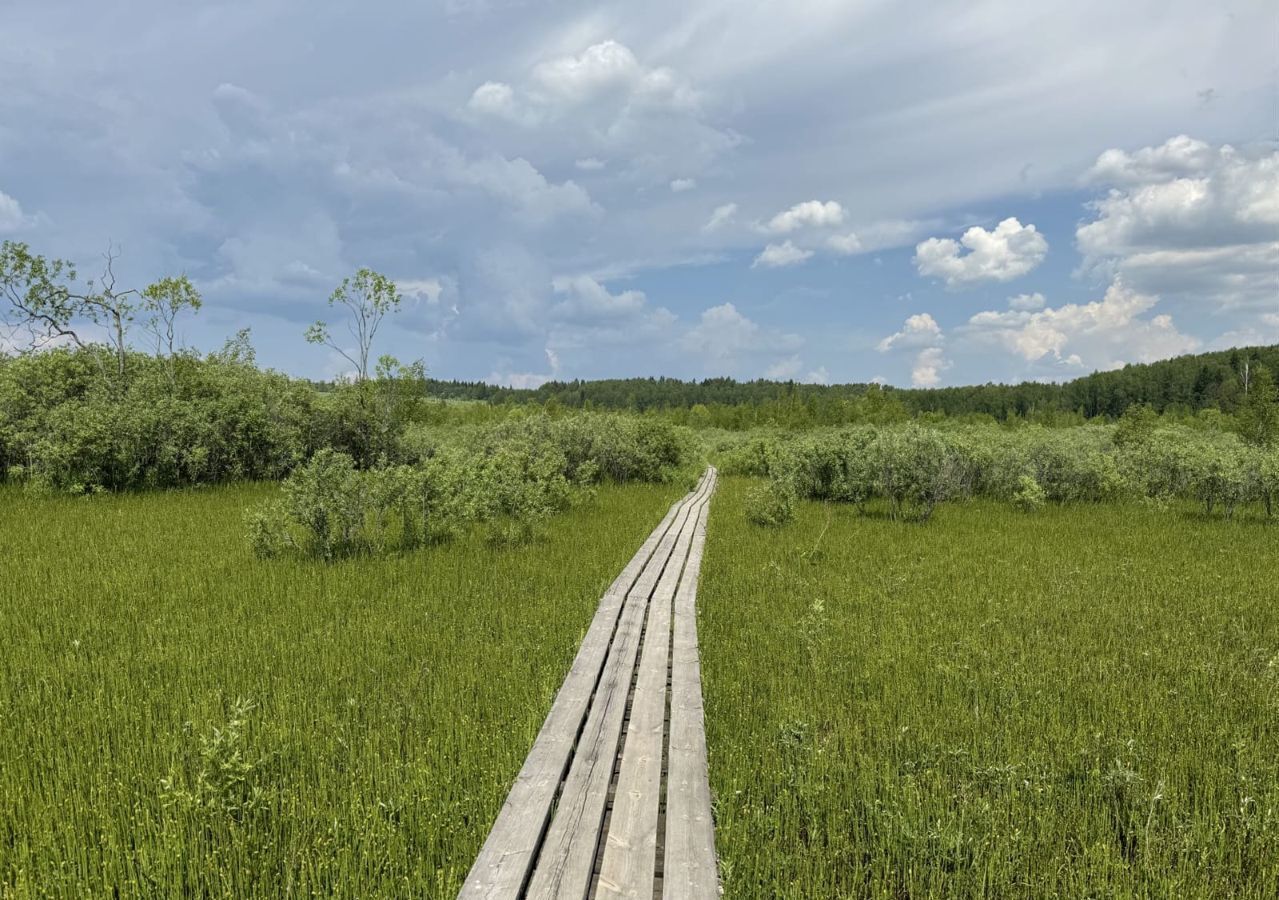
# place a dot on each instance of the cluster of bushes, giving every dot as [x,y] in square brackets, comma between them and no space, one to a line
[67,426]
[166,422]
[509,478]
[912,469]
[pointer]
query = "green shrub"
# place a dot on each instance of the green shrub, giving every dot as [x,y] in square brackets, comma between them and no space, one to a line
[771,505]
[1030,495]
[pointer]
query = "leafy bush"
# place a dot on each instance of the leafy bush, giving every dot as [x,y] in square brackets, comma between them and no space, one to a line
[1030,495]
[510,478]
[914,468]
[225,780]
[771,505]
[167,423]
[917,470]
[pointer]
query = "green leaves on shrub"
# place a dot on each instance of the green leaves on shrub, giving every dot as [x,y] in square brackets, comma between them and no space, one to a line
[510,478]
[771,505]
[913,469]
[1030,496]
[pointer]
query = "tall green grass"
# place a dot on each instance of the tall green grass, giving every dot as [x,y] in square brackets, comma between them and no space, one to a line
[1081,702]
[388,702]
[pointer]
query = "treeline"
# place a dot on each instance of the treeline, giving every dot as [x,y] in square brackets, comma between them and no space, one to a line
[1184,385]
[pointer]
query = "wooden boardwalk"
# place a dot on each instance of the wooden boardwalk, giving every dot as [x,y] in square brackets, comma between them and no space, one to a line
[613,799]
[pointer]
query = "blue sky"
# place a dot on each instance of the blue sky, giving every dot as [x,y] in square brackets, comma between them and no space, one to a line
[914,192]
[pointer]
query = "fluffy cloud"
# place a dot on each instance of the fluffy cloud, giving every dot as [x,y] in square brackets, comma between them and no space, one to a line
[922,333]
[496,99]
[845,244]
[679,185]
[929,364]
[585,300]
[723,335]
[596,70]
[11,216]
[776,256]
[587,316]
[526,380]
[1027,302]
[920,330]
[785,369]
[809,214]
[1190,222]
[1103,334]
[649,120]
[1008,252]
[1177,157]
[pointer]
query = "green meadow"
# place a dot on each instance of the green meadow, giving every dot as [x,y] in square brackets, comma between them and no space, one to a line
[181,718]
[1077,702]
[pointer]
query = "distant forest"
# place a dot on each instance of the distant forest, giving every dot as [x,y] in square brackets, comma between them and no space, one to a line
[1186,385]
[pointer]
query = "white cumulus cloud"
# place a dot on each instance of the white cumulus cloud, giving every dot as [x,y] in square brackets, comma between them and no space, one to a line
[724,334]
[11,216]
[920,330]
[929,364]
[776,256]
[1190,222]
[1009,251]
[810,213]
[1102,334]
[679,185]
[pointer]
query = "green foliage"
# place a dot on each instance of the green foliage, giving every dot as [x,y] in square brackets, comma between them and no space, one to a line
[225,778]
[367,297]
[168,423]
[1259,418]
[1177,387]
[1030,496]
[511,477]
[912,469]
[916,470]
[771,505]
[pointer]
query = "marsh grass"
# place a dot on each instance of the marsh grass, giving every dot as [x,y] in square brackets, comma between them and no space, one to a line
[180,718]
[1083,702]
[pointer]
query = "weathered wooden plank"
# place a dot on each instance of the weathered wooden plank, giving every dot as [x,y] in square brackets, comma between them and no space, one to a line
[564,866]
[630,853]
[689,867]
[504,863]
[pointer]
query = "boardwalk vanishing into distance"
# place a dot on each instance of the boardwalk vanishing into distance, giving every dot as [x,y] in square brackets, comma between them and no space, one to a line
[613,798]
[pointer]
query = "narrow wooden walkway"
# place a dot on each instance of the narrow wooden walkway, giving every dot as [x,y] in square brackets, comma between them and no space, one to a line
[613,800]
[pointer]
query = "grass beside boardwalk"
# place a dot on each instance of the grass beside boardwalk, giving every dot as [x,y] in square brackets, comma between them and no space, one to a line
[393,699]
[1081,702]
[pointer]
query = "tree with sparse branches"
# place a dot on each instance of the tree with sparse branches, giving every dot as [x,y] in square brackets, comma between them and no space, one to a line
[44,303]
[165,300]
[367,296]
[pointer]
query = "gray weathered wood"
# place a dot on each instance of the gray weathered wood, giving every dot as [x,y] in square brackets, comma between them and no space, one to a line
[630,852]
[503,866]
[564,866]
[689,867]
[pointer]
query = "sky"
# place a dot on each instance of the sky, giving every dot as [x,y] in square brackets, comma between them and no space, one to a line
[915,193]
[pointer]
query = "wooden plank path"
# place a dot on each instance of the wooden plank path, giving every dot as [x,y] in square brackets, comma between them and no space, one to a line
[613,798]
